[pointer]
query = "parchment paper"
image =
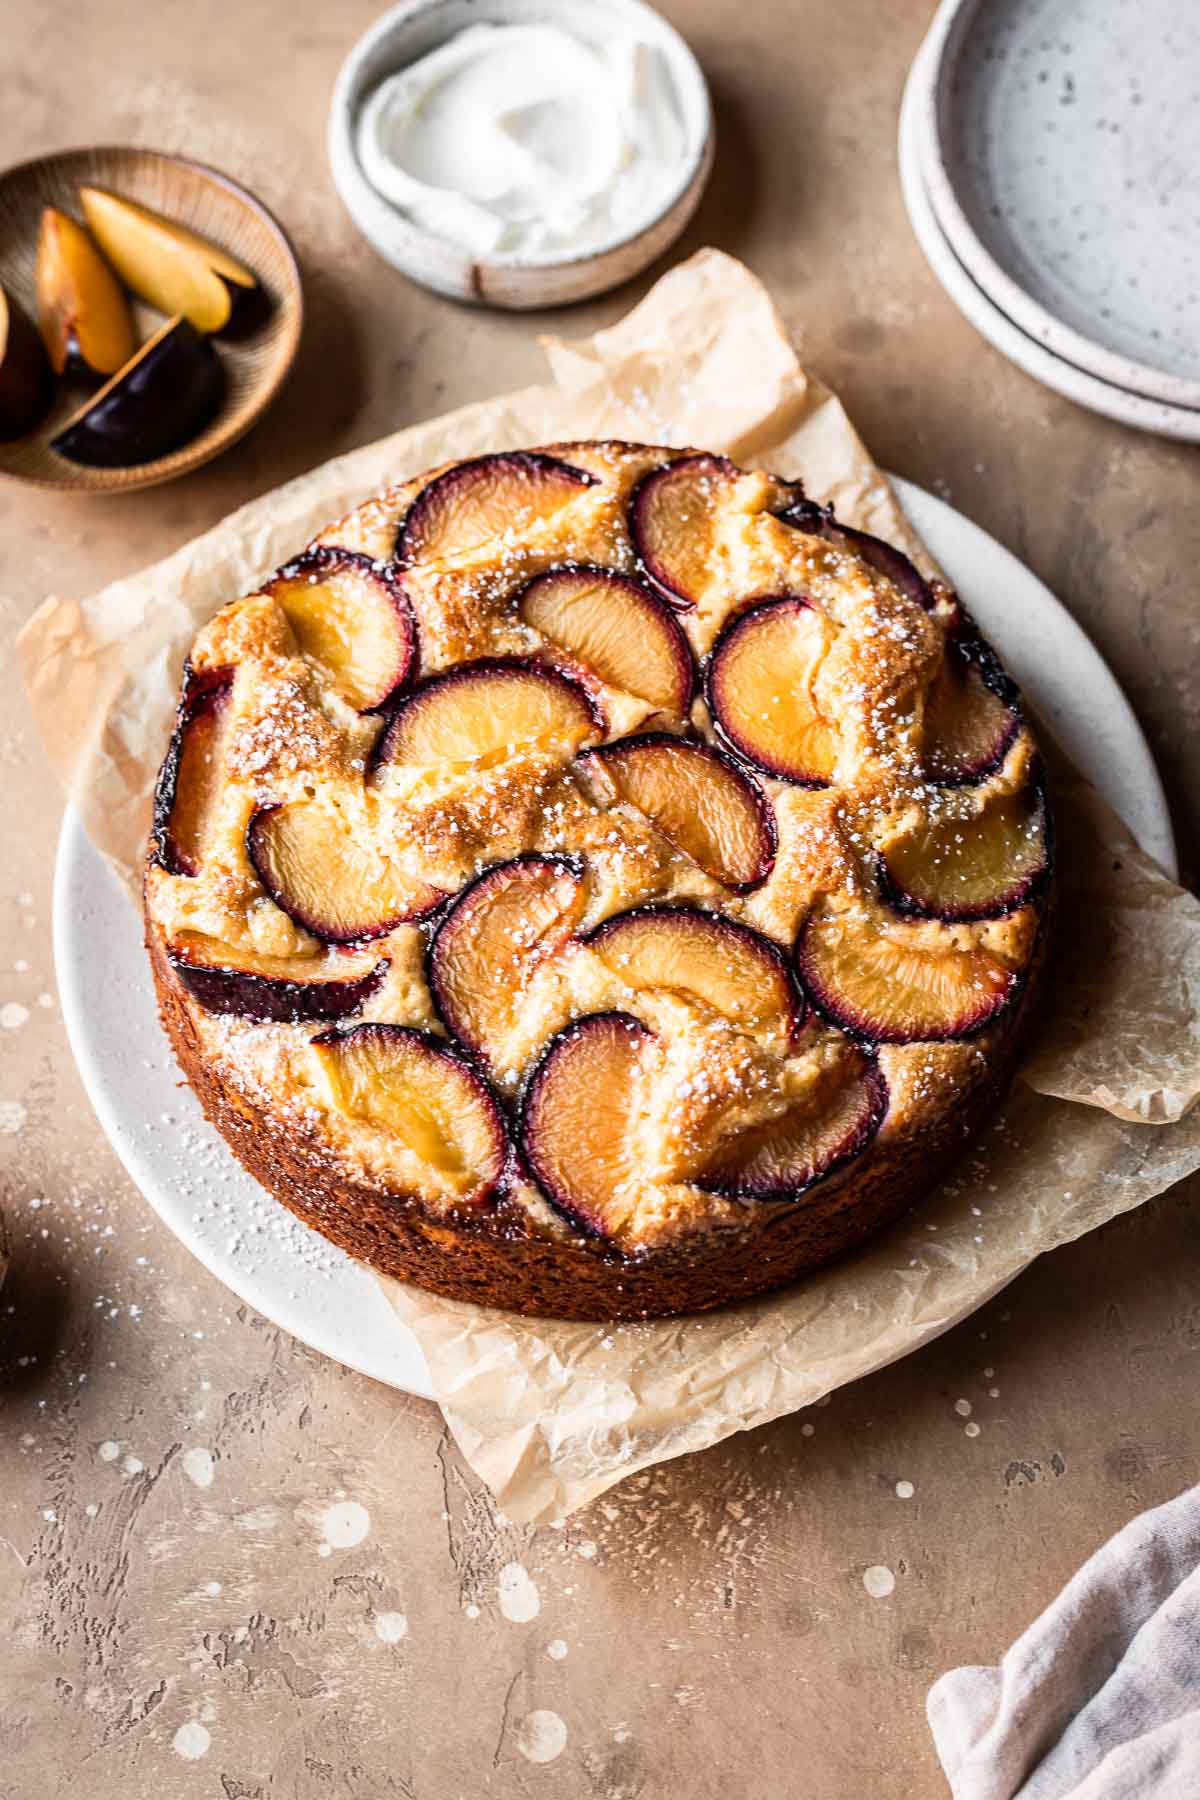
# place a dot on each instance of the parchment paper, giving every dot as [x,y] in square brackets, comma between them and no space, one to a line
[548,1413]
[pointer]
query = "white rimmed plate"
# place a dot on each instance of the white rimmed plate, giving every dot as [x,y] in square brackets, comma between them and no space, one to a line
[244,1237]
[1061,140]
[1076,384]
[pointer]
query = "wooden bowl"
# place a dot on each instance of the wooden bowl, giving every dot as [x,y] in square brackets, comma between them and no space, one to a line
[209,203]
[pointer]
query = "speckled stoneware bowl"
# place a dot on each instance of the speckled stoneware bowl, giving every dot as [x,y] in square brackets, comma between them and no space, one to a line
[519,283]
[1063,144]
[1022,349]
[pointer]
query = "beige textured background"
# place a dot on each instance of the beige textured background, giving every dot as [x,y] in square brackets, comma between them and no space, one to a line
[181,1611]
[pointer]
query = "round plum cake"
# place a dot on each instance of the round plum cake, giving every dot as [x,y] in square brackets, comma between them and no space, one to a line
[595,882]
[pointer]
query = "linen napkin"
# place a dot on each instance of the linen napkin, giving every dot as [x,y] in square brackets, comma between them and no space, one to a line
[1100,1699]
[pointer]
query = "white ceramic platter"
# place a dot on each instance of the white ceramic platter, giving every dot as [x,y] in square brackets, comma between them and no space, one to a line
[247,1240]
[1111,401]
[1064,144]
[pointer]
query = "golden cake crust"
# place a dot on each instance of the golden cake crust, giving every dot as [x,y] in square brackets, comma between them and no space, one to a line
[839,861]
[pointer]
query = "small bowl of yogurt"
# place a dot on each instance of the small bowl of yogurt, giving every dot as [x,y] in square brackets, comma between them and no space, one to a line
[521,153]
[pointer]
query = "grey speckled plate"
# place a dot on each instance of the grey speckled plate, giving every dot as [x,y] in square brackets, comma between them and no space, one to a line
[1066,176]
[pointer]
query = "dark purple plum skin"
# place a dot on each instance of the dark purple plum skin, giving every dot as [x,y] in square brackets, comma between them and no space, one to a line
[441,940]
[320,928]
[712,685]
[164,397]
[644,596]
[973,648]
[973,655]
[876,1102]
[202,692]
[467,671]
[26,378]
[884,558]
[263,998]
[868,1032]
[321,560]
[640,502]
[528,1104]
[798,1009]
[766,812]
[529,463]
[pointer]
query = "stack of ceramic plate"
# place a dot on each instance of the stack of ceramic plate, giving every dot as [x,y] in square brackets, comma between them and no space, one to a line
[1050,157]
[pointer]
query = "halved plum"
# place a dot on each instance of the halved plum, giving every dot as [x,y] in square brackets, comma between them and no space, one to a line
[670,522]
[503,926]
[343,891]
[188,788]
[884,558]
[700,801]
[418,1091]
[971,717]
[486,498]
[484,712]
[276,989]
[169,391]
[759,687]
[973,868]
[577,1119]
[725,964]
[353,617]
[891,981]
[817,1134]
[617,628]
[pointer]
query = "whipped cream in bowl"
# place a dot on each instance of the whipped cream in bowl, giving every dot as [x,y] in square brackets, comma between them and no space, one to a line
[520,153]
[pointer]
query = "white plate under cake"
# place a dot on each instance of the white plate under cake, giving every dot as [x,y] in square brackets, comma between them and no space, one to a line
[595,882]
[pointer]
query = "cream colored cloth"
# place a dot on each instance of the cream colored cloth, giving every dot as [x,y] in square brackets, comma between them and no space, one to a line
[1100,1699]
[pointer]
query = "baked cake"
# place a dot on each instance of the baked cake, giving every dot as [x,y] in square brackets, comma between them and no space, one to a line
[595,882]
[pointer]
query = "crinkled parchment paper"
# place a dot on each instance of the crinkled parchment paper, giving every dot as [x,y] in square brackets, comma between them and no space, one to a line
[549,1413]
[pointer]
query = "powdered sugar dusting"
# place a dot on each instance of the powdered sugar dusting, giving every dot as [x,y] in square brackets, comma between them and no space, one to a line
[343,1525]
[518,1595]
[541,1736]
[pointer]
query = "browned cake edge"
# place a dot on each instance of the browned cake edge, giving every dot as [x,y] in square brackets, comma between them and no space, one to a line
[495,1260]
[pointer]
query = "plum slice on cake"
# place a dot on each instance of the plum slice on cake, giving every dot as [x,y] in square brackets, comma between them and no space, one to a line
[188,791]
[978,867]
[487,498]
[500,929]
[884,558]
[972,716]
[728,966]
[484,712]
[698,798]
[893,981]
[670,522]
[281,990]
[433,1107]
[352,617]
[759,686]
[578,1117]
[615,627]
[315,869]
[819,1131]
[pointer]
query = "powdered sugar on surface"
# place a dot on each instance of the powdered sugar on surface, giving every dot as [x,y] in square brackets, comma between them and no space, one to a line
[541,1736]
[517,1594]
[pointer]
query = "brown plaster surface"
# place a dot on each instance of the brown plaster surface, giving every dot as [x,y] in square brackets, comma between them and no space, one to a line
[719,1638]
